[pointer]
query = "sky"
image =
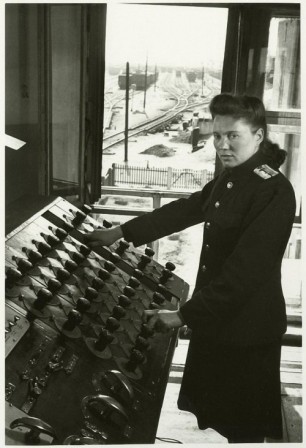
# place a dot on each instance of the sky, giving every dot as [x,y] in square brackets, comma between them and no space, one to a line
[169,35]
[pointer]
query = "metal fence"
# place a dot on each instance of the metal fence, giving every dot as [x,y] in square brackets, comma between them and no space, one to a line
[168,178]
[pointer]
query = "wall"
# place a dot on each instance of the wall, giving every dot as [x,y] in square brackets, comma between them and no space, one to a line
[66,90]
[21,99]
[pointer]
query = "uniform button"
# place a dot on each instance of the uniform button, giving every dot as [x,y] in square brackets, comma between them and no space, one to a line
[207,225]
[207,247]
[217,204]
[230,185]
[203,268]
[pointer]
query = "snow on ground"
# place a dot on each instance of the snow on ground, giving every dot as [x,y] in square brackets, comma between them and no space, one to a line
[184,157]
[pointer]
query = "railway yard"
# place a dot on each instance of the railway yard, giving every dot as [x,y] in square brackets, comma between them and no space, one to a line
[172,99]
[170,96]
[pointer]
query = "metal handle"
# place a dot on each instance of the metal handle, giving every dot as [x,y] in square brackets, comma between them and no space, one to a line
[79,440]
[110,404]
[123,381]
[36,427]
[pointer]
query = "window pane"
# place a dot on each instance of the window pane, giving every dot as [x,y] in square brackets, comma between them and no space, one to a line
[282,78]
[292,166]
[173,76]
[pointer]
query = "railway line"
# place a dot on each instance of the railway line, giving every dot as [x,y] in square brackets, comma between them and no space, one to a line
[180,90]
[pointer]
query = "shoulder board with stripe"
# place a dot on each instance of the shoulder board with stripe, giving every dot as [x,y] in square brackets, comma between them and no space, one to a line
[265,171]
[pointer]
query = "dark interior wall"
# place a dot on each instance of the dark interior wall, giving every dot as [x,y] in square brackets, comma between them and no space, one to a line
[22,113]
[66,54]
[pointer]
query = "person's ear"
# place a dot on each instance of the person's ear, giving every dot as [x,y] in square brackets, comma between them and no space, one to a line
[259,135]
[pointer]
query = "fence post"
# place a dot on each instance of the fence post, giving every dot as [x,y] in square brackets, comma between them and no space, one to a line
[156,204]
[113,169]
[204,178]
[169,178]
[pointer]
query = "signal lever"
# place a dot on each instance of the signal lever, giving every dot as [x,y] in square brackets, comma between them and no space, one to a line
[118,385]
[79,440]
[108,409]
[36,427]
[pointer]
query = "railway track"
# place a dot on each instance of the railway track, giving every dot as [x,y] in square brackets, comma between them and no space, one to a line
[183,96]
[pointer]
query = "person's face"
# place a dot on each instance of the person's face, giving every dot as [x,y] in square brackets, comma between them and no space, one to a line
[235,140]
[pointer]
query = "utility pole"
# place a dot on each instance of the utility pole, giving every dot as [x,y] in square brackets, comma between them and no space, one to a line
[155,75]
[145,85]
[126,131]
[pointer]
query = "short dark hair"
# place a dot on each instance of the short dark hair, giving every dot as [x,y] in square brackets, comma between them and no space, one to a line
[248,108]
[252,110]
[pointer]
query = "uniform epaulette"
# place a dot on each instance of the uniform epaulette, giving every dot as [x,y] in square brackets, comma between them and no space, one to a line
[265,171]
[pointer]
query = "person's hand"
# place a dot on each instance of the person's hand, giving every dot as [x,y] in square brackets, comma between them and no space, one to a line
[163,320]
[103,237]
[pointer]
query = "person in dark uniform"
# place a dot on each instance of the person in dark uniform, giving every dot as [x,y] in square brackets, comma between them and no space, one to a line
[237,312]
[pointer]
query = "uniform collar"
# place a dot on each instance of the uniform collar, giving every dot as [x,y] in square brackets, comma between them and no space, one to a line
[249,165]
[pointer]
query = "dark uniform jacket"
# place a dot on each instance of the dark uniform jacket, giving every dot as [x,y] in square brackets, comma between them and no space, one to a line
[248,213]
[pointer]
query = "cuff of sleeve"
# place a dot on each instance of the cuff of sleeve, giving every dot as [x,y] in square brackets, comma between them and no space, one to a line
[184,316]
[181,317]
[127,235]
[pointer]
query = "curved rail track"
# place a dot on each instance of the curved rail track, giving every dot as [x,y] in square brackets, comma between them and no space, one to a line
[182,92]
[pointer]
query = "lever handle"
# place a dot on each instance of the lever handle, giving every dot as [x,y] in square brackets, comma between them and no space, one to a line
[44,248]
[36,427]
[77,257]
[109,266]
[104,339]
[52,240]
[33,255]
[123,246]
[83,305]
[118,312]
[97,283]
[134,282]
[107,224]
[141,343]
[111,405]
[86,209]
[13,275]
[43,297]
[115,258]
[124,301]
[91,293]
[24,265]
[73,319]
[103,274]
[62,275]
[67,226]
[70,266]
[166,274]
[112,324]
[79,440]
[137,273]
[149,251]
[144,260]
[79,217]
[170,266]
[85,250]
[129,291]
[158,298]
[121,382]
[60,233]
[54,285]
